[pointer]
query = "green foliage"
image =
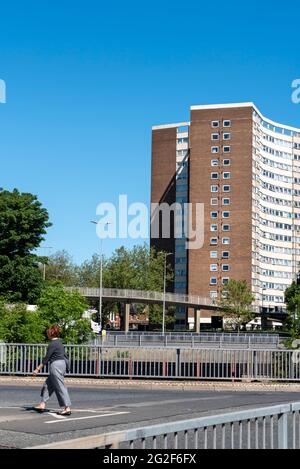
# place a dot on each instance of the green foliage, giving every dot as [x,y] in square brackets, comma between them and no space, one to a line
[23,224]
[17,325]
[292,300]
[60,268]
[139,268]
[20,279]
[156,317]
[236,301]
[58,306]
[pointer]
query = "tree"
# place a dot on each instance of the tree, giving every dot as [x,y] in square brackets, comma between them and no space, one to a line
[20,279]
[138,268]
[60,268]
[292,300]
[236,301]
[17,325]
[156,317]
[58,306]
[23,224]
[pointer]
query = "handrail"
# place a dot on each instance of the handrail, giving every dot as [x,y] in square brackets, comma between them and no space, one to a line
[175,298]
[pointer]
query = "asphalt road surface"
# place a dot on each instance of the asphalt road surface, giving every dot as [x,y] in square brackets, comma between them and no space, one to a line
[100,410]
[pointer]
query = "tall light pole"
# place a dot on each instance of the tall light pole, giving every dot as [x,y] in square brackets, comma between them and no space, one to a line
[263,322]
[166,254]
[101,275]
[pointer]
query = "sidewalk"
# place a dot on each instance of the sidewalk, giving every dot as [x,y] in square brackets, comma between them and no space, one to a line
[155,384]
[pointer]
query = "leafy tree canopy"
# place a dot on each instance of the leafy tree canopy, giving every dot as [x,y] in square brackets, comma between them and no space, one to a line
[236,302]
[23,223]
[17,325]
[58,306]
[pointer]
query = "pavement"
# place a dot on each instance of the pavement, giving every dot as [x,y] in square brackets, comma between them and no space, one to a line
[99,406]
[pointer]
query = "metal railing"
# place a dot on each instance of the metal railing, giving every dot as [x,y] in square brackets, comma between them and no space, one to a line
[116,338]
[160,363]
[146,296]
[275,427]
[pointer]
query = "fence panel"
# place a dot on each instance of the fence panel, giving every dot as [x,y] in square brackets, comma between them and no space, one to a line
[159,362]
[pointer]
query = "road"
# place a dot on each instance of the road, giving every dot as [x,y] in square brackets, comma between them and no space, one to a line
[99,410]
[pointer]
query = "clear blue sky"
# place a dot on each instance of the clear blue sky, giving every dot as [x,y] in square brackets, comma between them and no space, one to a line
[86,80]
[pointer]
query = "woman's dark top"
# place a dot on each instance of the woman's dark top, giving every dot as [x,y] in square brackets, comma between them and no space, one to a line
[55,351]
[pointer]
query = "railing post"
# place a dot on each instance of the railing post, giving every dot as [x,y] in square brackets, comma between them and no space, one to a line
[282,431]
[178,365]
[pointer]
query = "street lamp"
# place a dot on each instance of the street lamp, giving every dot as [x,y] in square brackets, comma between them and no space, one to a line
[101,273]
[166,254]
[262,308]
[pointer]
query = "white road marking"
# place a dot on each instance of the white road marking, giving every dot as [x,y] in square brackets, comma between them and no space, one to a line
[85,418]
[59,417]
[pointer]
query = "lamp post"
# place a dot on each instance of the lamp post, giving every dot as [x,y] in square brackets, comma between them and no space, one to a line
[263,321]
[101,275]
[166,254]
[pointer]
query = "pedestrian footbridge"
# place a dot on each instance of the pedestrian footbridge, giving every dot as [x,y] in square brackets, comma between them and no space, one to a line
[149,297]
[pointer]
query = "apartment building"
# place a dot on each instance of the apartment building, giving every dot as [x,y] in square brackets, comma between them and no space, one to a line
[245,169]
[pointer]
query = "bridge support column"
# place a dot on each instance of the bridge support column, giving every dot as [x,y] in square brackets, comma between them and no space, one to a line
[126,317]
[197,317]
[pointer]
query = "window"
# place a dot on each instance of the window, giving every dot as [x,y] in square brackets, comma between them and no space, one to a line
[226,123]
[214,215]
[225,201]
[226,227]
[213,241]
[215,137]
[226,162]
[213,281]
[215,124]
[225,267]
[226,188]
[214,188]
[214,175]
[226,241]
[214,267]
[225,254]
[213,295]
[226,136]
[226,214]
[214,201]
[225,294]
[214,254]
[215,162]
[225,280]
[226,175]
[215,149]
[226,149]
[213,227]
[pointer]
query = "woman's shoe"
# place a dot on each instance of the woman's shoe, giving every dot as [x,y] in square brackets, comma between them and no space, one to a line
[64,413]
[40,410]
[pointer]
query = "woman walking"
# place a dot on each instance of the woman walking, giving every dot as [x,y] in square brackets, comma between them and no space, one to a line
[55,381]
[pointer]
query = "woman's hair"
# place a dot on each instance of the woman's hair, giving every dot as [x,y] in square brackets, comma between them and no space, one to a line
[53,332]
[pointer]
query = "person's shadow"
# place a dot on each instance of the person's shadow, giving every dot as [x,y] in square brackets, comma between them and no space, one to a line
[37,411]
